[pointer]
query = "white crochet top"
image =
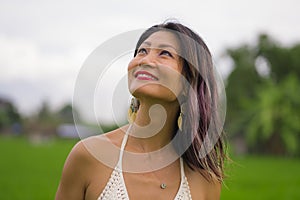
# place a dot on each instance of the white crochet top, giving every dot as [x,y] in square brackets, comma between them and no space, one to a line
[115,188]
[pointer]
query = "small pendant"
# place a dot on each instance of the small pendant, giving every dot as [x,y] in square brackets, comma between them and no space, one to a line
[163,186]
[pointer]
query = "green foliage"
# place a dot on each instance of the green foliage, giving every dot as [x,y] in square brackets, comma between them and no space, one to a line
[61,115]
[274,114]
[65,114]
[46,120]
[8,114]
[264,108]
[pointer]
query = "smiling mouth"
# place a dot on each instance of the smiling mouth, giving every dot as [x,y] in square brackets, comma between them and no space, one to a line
[145,76]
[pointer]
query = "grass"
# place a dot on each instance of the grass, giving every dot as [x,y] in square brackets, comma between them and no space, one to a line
[31,171]
[261,177]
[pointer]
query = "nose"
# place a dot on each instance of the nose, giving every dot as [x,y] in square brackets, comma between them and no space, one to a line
[149,59]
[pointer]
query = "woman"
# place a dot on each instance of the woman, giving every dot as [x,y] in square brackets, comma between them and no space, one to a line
[174,114]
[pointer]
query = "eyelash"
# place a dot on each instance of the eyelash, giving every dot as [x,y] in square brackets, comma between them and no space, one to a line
[142,49]
[163,52]
[166,52]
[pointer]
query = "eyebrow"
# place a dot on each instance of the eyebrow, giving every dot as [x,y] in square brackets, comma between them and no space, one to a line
[161,45]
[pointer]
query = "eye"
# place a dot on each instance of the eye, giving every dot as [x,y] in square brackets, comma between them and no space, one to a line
[142,51]
[167,53]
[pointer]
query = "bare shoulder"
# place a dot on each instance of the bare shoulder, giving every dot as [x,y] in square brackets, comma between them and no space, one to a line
[201,188]
[96,156]
[116,136]
[70,186]
[101,148]
[96,148]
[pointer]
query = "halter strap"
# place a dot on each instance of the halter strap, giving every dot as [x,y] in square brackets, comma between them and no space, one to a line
[181,168]
[124,141]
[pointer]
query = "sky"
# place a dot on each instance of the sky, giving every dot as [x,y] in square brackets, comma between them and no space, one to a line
[44,44]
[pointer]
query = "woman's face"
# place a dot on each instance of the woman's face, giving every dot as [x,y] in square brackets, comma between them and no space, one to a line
[155,71]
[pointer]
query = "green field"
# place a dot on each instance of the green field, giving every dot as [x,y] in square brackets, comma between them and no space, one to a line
[31,171]
[263,178]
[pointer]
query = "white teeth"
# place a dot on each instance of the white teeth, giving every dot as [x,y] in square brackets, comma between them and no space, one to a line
[146,75]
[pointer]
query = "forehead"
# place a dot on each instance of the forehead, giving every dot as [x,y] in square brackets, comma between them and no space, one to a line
[162,38]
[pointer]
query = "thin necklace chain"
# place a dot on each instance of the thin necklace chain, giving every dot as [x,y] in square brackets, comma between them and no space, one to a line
[163,184]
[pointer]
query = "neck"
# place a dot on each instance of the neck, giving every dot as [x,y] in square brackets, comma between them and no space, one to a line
[154,125]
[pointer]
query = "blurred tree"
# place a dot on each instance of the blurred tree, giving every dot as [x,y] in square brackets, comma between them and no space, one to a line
[45,122]
[65,114]
[44,113]
[274,127]
[241,87]
[8,115]
[282,60]
[263,96]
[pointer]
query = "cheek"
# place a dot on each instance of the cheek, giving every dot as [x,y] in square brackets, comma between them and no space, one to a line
[174,66]
[172,81]
[130,70]
[132,64]
[176,84]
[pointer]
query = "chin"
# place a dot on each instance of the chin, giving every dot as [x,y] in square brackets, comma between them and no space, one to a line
[155,92]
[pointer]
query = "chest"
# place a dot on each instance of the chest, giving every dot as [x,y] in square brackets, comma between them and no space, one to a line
[138,186]
[148,186]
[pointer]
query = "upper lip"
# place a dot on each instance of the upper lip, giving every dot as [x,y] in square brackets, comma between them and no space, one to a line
[144,72]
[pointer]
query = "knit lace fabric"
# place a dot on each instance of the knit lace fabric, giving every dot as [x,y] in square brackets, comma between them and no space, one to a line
[115,188]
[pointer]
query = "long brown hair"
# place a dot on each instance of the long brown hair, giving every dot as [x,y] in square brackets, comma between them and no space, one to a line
[201,100]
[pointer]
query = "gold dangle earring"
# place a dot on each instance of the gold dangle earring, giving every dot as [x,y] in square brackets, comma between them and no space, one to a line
[134,106]
[180,117]
[183,97]
[179,121]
